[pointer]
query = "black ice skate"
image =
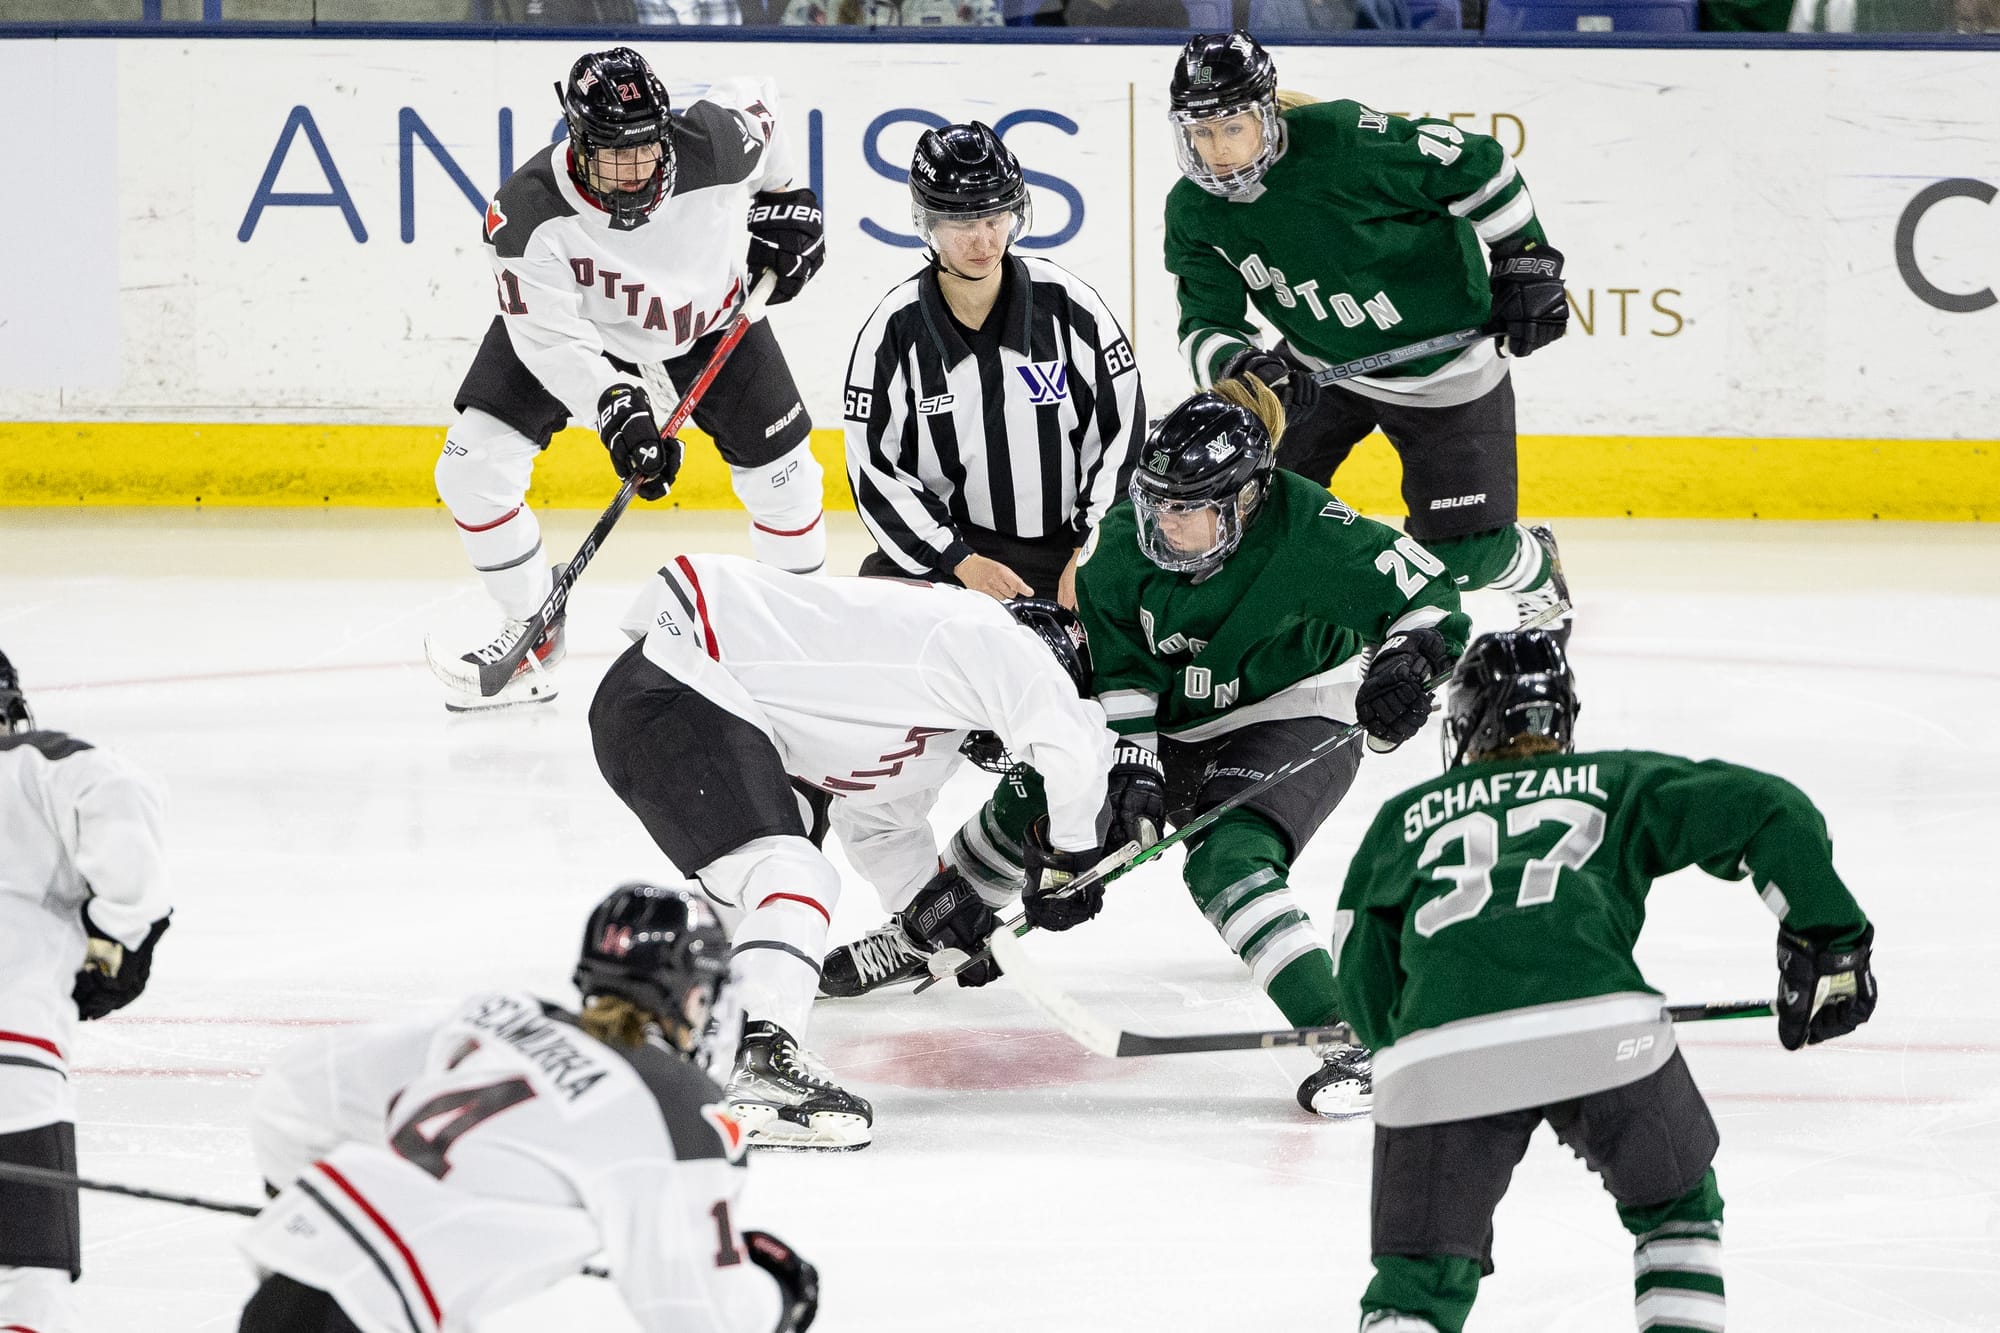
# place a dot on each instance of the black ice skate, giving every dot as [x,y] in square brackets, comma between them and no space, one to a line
[783,1099]
[1342,1086]
[1555,592]
[882,957]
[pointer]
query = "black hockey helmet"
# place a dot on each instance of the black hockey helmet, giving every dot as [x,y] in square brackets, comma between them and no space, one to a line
[662,949]
[962,173]
[14,713]
[1057,627]
[1206,456]
[613,100]
[1217,77]
[1508,685]
[1062,633]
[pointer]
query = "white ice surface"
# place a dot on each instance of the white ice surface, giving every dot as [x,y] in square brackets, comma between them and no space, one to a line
[343,850]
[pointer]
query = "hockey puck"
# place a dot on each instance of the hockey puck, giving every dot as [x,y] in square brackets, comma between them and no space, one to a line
[945,962]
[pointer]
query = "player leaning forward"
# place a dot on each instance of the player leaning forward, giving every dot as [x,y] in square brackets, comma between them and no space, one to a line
[1485,939]
[520,1139]
[83,900]
[758,707]
[620,253]
[1227,607]
[1355,233]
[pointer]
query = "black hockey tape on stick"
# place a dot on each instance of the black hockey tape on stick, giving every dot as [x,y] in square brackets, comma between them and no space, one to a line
[1123,863]
[1368,365]
[59,1180]
[494,675]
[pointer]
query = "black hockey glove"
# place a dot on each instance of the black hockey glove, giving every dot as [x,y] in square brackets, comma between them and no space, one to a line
[1822,993]
[1394,700]
[112,975]
[1050,902]
[798,1281]
[1136,797]
[1283,376]
[625,424]
[788,237]
[948,913]
[1528,300]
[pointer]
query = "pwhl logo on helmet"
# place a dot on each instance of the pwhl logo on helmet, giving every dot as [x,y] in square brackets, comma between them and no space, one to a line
[616,941]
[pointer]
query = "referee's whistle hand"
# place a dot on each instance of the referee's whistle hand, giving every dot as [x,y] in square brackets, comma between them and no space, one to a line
[990,577]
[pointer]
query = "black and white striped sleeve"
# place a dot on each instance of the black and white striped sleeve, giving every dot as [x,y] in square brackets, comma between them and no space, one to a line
[910,523]
[1109,434]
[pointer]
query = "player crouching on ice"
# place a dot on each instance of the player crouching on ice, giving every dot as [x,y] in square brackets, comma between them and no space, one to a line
[1485,939]
[521,1140]
[760,708]
[1226,605]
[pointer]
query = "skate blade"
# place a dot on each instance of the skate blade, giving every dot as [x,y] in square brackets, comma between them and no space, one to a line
[1329,1105]
[828,1131]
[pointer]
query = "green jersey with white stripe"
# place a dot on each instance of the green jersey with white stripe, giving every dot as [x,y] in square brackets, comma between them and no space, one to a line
[1364,238]
[1505,898]
[1275,632]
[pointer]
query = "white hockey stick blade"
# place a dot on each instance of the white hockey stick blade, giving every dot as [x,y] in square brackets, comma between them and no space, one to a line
[1079,1024]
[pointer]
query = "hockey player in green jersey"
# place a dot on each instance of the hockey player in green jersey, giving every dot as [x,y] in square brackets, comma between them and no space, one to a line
[1355,233]
[1226,605]
[1484,948]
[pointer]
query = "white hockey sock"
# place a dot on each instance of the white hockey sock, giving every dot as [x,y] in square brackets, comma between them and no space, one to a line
[1529,568]
[482,476]
[36,1298]
[787,527]
[786,891]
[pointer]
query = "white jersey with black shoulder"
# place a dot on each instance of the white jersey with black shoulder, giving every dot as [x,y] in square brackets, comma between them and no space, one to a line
[573,286]
[438,1171]
[77,824]
[867,688]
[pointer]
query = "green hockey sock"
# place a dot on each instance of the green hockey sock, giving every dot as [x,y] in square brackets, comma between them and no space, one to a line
[1430,1293]
[987,847]
[1677,1264]
[1237,877]
[1507,559]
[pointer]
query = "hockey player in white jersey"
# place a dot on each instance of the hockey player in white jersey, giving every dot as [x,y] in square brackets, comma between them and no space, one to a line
[759,708]
[519,1141]
[83,900]
[619,258]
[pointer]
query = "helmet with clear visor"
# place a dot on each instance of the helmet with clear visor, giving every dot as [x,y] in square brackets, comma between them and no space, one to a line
[963,175]
[1202,476]
[1224,99]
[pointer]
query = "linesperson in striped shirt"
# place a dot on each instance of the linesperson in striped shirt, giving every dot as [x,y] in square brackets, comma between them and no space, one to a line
[992,406]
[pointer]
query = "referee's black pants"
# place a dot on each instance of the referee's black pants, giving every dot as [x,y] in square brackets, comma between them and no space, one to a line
[1039,561]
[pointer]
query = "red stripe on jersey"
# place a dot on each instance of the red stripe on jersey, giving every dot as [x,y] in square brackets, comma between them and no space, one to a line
[701,607]
[382,1225]
[39,1043]
[797,898]
[488,527]
[15,1328]
[794,532]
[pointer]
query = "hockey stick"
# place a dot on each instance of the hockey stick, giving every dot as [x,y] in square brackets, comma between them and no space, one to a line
[1100,1037]
[57,1180]
[1130,858]
[491,677]
[1366,365]
[40,1175]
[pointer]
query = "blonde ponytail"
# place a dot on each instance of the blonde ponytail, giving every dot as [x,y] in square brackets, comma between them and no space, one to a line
[1255,397]
[615,1021]
[1289,100]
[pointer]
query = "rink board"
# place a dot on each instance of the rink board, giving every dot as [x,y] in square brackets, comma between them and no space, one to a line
[1783,263]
